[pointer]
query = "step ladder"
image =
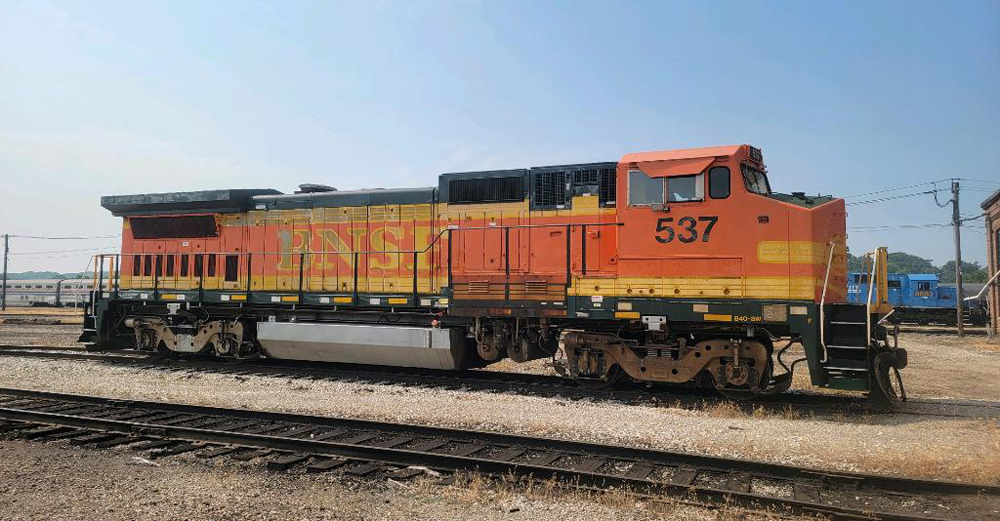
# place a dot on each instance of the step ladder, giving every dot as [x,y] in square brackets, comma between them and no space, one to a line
[89,334]
[847,329]
[846,339]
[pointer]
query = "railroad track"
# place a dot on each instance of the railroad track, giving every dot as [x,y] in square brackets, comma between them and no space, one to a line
[497,381]
[402,451]
[941,330]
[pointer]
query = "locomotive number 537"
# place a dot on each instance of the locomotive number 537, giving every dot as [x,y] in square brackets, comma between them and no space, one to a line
[686,230]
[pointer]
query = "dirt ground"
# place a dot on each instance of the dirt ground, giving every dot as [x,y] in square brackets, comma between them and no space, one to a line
[40,334]
[946,366]
[54,481]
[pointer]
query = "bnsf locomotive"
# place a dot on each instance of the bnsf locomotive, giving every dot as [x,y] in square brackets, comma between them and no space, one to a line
[676,267]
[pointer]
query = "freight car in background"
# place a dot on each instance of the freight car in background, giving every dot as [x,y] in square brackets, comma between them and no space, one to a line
[919,298]
[48,292]
[675,267]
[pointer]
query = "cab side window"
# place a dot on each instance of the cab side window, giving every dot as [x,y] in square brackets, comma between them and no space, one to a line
[718,182]
[755,180]
[643,190]
[685,188]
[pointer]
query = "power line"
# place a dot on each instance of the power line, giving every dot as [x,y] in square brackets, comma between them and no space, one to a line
[893,198]
[64,256]
[979,180]
[893,189]
[59,256]
[79,238]
[928,225]
[112,246]
[896,227]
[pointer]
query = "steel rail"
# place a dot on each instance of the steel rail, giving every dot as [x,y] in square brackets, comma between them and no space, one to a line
[18,403]
[528,384]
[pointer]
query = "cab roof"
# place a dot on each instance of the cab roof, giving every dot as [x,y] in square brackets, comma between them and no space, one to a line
[682,153]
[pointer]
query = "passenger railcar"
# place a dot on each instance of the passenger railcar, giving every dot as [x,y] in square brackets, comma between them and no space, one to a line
[48,292]
[680,267]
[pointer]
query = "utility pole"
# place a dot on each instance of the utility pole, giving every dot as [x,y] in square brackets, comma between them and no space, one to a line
[3,290]
[956,220]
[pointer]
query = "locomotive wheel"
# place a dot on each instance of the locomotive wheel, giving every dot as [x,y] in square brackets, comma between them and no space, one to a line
[609,380]
[147,340]
[523,349]
[741,394]
[248,350]
[226,346]
[887,385]
[488,349]
[753,385]
[744,393]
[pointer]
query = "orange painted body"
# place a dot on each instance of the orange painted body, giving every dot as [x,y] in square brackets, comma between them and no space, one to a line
[759,247]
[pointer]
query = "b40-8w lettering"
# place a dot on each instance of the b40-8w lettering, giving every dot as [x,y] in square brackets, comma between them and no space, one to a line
[687,229]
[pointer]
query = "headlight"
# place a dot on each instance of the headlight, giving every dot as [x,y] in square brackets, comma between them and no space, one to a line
[775,312]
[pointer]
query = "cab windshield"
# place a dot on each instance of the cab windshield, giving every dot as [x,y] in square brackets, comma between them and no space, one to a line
[755,180]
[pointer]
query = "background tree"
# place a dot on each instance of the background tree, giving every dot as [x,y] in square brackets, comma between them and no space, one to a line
[899,262]
[902,262]
[971,272]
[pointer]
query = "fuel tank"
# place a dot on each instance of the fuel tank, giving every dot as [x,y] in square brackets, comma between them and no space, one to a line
[401,346]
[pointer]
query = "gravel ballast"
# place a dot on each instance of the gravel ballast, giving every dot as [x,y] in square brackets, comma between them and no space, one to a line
[964,447]
[956,448]
[53,481]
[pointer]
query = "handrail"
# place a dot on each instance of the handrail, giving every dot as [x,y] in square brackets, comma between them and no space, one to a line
[366,252]
[303,254]
[822,302]
[868,302]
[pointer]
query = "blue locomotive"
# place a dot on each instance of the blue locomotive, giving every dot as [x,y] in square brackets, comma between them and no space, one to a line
[918,298]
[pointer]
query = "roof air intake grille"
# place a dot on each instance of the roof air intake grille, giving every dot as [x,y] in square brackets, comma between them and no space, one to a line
[488,190]
[186,227]
[608,189]
[550,189]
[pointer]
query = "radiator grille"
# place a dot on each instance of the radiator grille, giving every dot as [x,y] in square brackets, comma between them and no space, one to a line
[586,177]
[608,189]
[550,189]
[556,186]
[489,190]
[183,227]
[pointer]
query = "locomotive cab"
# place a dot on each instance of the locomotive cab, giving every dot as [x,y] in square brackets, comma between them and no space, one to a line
[709,257]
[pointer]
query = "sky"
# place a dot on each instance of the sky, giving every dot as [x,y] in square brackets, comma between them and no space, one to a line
[844,98]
